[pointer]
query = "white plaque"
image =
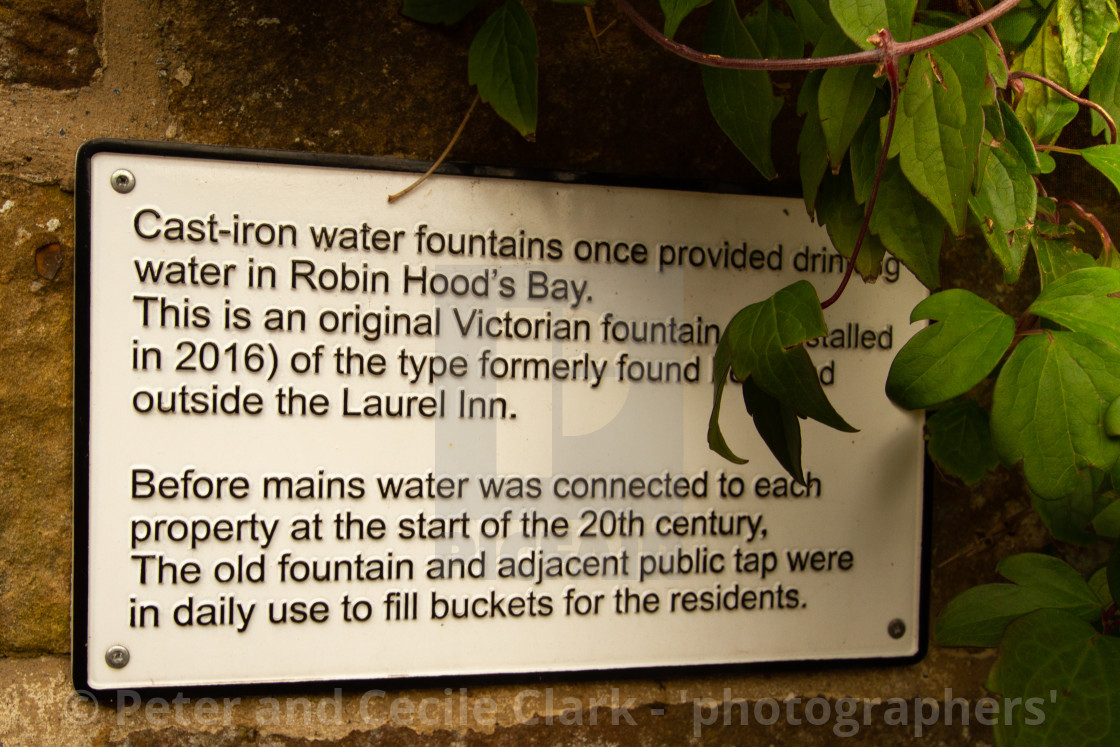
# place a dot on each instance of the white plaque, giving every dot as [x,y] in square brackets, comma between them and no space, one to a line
[322,437]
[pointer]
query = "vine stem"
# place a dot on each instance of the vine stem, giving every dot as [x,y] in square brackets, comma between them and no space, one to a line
[885,55]
[1025,323]
[1056,149]
[1106,239]
[991,31]
[595,34]
[442,156]
[1108,619]
[877,56]
[890,67]
[1023,74]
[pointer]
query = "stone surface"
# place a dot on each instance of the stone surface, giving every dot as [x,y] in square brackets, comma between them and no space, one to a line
[47,44]
[672,712]
[360,78]
[35,409]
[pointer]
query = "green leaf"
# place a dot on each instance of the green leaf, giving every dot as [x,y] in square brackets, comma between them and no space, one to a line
[861,19]
[1085,27]
[1070,518]
[777,35]
[764,342]
[940,124]
[1048,411]
[960,441]
[981,164]
[1057,258]
[1084,301]
[438,11]
[1057,678]
[813,16]
[844,97]
[1113,572]
[1098,582]
[1051,119]
[937,19]
[979,616]
[947,359]
[676,11]
[1107,522]
[503,64]
[997,68]
[1043,111]
[814,161]
[742,101]
[838,211]
[1112,419]
[865,153]
[784,39]
[810,144]
[1047,163]
[1058,579]
[1018,139]
[1004,208]
[721,369]
[1048,206]
[1109,259]
[778,425]
[908,225]
[994,131]
[1105,159]
[1019,27]
[832,42]
[1104,86]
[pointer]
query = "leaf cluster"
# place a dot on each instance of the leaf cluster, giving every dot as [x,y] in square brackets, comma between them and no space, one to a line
[762,348]
[1053,628]
[937,141]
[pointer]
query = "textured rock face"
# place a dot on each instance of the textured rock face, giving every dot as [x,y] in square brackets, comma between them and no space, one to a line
[36,299]
[359,77]
[47,44]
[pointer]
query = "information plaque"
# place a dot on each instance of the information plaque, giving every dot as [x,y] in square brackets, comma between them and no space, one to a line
[322,437]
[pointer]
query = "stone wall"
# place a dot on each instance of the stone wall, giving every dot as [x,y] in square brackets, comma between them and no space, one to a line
[356,77]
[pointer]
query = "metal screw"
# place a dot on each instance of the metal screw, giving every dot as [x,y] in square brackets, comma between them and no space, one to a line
[117,657]
[896,628]
[123,181]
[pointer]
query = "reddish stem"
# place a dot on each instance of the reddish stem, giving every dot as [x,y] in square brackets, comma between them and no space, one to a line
[1106,239]
[1108,619]
[442,156]
[1024,323]
[991,31]
[877,56]
[890,67]
[1069,95]
[885,54]
[1024,328]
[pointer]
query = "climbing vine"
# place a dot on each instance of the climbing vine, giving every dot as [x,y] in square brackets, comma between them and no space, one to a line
[921,125]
